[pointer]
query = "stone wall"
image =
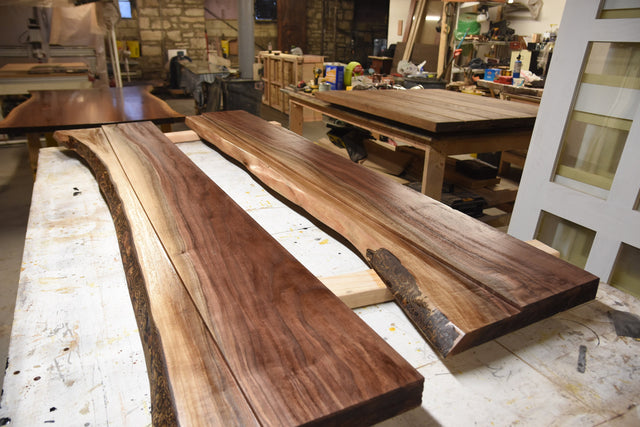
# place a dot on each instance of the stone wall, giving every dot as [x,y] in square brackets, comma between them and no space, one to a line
[263,33]
[161,25]
[336,24]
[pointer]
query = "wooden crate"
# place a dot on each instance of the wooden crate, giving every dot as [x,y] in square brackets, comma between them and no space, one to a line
[282,70]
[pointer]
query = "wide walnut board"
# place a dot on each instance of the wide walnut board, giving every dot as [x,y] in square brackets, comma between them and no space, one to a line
[237,332]
[460,281]
[436,110]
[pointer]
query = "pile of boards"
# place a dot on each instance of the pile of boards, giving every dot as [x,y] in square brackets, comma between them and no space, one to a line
[238,332]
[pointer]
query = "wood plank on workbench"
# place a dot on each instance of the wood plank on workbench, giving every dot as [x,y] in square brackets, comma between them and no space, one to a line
[51,110]
[191,383]
[280,331]
[436,110]
[461,281]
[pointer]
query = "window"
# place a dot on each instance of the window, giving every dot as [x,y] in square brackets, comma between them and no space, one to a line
[626,271]
[125,9]
[598,127]
[572,240]
[619,9]
[266,10]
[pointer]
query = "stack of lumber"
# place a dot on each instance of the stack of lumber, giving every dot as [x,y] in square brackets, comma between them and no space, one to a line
[460,281]
[236,331]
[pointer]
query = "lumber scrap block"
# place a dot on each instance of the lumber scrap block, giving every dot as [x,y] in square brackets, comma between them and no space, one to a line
[269,345]
[460,281]
[358,289]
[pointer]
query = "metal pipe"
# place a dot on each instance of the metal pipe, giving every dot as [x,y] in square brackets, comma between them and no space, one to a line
[246,39]
[115,61]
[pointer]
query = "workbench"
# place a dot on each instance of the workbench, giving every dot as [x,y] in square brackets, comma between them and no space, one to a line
[19,79]
[504,91]
[474,124]
[196,76]
[76,358]
[51,110]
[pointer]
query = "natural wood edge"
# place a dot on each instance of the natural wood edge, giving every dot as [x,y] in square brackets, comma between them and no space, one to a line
[430,321]
[162,408]
[189,381]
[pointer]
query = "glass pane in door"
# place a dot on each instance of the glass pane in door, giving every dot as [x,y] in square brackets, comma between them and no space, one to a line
[619,9]
[598,127]
[572,240]
[626,271]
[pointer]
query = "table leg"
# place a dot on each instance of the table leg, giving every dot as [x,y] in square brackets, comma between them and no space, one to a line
[433,174]
[33,145]
[296,117]
[165,127]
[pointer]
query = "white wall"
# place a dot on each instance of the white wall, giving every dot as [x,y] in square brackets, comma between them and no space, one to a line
[522,23]
[398,11]
[550,14]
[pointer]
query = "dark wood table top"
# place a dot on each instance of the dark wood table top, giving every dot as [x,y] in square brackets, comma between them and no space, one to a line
[49,110]
[436,110]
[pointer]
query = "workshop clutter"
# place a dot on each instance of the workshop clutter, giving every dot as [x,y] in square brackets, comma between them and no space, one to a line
[340,76]
[334,75]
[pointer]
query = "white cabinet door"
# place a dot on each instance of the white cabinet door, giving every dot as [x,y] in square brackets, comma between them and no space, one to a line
[581,182]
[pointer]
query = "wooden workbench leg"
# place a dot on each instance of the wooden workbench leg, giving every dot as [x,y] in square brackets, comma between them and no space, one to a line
[33,145]
[296,118]
[433,174]
[165,127]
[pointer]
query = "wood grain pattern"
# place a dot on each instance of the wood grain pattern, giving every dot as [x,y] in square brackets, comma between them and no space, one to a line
[436,110]
[295,352]
[191,384]
[49,110]
[461,281]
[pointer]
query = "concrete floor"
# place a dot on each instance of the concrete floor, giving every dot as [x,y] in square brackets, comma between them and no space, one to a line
[16,184]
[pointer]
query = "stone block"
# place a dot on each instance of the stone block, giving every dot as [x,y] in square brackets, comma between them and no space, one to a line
[148,11]
[197,43]
[148,35]
[144,23]
[151,50]
[194,12]
[174,35]
[172,11]
[188,19]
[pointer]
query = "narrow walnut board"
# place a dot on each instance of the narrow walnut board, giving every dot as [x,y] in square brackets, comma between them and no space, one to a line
[460,281]
[436,110]
[262,340]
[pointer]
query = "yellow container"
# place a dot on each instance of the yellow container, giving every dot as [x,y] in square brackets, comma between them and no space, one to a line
[133,46]
[224,44]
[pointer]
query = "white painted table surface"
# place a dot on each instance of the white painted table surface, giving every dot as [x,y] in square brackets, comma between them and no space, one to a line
[75,357]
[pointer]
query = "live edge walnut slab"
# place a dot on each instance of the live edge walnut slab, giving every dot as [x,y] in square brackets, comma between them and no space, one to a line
[236,330]
[460,281]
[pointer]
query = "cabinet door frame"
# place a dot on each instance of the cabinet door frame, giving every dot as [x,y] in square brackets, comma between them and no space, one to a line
[614,219]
